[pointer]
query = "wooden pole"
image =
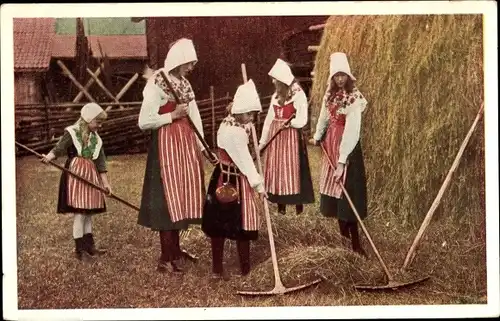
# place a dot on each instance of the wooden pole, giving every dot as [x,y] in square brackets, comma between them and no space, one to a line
[68,73]
[80,178]
[244,73]
[87,86]
[432,209]
[317,27]
[100,84]
[127,86]
[212,97]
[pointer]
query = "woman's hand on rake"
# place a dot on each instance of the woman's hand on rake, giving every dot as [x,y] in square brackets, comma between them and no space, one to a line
[338,172]
[211,157]
[314,142]
[107,187]
[47,158]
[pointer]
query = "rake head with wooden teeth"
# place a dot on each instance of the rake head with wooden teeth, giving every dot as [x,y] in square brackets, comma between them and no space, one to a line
[279,288]
[391,282]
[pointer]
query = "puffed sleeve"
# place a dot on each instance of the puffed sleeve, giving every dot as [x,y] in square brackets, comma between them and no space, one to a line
[352,129]
[322,123]
[301,106]
[62,145]
[148,115]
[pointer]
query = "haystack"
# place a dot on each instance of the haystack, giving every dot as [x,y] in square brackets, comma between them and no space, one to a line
[423,78]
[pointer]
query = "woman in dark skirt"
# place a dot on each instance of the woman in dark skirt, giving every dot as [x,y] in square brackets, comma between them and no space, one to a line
[232,207]
[86,158]
[287,174]
[174,188]
[340,117]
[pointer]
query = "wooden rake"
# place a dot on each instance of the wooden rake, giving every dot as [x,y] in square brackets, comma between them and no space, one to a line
[412,251]
[392,283]
[184,234]
[279,288]
[111,195]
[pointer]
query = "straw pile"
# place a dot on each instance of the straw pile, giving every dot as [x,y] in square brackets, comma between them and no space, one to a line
[422,76]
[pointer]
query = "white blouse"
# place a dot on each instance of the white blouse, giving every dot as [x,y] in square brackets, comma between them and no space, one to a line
[234,140]
[352,129]
[154,98]
[300,104]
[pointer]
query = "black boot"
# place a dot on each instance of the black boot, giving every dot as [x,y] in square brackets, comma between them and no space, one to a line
[356,244]
[282,209]
[217,257]
[80,250]
[90,247]
[244,256]
[299,208]
[169,253]
[344,232]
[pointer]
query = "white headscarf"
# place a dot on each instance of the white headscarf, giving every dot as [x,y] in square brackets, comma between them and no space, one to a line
[339,63]
[282,72]
[246,99]
[90,111]
[180,53]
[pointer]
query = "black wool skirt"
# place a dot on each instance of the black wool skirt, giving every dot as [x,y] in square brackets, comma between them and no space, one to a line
[224,220]
[356,188]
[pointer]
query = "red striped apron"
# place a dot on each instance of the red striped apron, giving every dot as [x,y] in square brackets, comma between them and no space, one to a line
[80,194]
[327,185]
[181,168]
[249,208]
[282,170]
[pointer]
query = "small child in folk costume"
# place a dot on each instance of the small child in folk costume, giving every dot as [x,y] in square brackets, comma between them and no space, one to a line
[86,158]
[287,173]
[174,188]
[340,116]
[232,207]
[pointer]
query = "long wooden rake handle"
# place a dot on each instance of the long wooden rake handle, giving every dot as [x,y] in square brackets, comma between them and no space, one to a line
[439,196]
[288,121]
[178,101]
[81,178]
[277,278]
[387,273]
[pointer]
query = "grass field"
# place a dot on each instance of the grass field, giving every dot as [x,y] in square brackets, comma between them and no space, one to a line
[453,253]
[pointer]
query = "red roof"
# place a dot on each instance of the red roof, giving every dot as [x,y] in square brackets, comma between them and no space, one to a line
[33,43]
[119,46]
[64,46]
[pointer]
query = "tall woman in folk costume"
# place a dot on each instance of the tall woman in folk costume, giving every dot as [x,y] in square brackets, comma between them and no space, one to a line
[287,173]
[173,191]
[340,117]
[232,207]
[83,147]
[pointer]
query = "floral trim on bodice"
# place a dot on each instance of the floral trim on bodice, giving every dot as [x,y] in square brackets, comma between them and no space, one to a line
[182,89]
[340,102]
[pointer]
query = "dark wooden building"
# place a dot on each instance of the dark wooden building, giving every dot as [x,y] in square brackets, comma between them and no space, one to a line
[224,43]
[127,56]
[32,53]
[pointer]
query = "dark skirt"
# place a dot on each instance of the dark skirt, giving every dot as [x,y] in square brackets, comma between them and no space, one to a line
[154,212]
[356,188]
[306,195]
[224,220]
[62,202]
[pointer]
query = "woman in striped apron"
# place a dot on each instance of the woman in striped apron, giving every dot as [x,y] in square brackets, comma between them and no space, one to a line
[86,158]
[287,173]
[235,214]
[174,189]
[340,117]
